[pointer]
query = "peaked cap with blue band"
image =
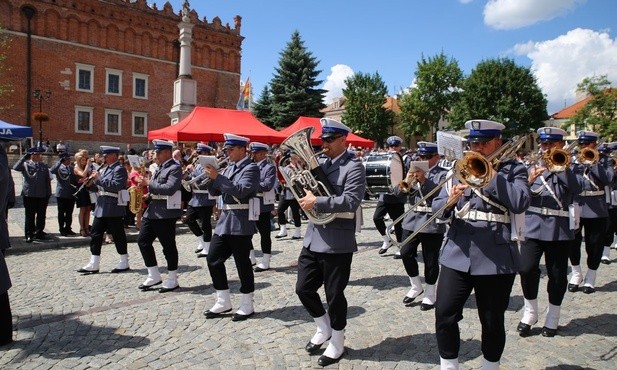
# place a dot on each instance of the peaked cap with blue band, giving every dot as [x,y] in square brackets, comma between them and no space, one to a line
[425,147]
[330,127]
[36,150]
[105,149]
[255,146]
[587,136]
[548,134]
[235,140]
[394,141]
[160,144]
[203,147]
[482,130]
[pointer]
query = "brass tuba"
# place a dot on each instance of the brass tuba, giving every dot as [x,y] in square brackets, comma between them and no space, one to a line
[305,173]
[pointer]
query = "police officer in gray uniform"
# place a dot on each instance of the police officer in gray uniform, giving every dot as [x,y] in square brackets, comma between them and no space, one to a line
[547,231]
[265,193]
[431,236]
[36,192]
[233,232]
[65,188]
[327,250]
[390,204]
[595,177]
[478,253]
[200,205]
[159,219]
[109,180]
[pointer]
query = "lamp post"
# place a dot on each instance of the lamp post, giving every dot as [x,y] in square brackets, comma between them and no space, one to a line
[40,116]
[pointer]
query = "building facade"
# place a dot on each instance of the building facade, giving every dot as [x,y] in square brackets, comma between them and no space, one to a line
[110,67]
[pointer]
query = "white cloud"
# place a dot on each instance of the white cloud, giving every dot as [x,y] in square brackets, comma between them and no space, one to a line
[335,82]
[511,14]
[562,63]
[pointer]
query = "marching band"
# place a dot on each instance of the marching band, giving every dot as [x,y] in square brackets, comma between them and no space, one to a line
[479,223]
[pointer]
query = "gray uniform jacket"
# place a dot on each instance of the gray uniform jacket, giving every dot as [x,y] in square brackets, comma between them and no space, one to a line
[564,185]
[111,179]
[267,179]
[37,181]
[166,181]
[5,279]
[66,181]
[201,197]
[348,178]
[593,178]
[239,181]
[485,247]
[423,212]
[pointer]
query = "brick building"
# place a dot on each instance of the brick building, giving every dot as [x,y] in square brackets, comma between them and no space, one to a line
[110,66]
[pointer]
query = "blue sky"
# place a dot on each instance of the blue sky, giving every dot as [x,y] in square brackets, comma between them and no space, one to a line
[562,41]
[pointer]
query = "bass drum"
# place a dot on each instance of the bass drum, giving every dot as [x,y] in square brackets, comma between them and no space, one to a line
[383,172]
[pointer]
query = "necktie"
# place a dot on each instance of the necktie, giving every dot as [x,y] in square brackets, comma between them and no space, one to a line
[328,163]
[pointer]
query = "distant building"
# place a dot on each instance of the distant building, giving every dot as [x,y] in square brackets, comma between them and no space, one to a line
[111,67]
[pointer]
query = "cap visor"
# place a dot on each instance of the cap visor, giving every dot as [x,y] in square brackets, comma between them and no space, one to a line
[480,139]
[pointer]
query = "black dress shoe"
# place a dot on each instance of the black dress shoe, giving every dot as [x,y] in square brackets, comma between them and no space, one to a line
[296,237]
[589,289]
[165,290]
[148,287]
[260,269]
[29,239]
[426,306]
[280,236]
[311,347]
[198,250]
[63,233]
[70,233]
[240,317]
[546,332]
[397,256]
[605,262]
[407,300]
[523,329]
[325,360]
[213,315]
[572,288]
[42,236]
[383,250]
[117,271]
[202,255]
[87,272]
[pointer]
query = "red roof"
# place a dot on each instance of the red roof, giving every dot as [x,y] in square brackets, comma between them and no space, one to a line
[568,112]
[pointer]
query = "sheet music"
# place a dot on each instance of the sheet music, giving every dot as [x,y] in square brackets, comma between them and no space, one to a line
[450,145]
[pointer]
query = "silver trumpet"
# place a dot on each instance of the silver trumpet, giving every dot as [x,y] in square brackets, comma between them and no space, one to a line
[203,178]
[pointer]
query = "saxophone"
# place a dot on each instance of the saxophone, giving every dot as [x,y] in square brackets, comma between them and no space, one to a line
[136,194]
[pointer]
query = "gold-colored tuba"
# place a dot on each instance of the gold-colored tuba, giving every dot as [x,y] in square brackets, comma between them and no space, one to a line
[305,173]
[136,194]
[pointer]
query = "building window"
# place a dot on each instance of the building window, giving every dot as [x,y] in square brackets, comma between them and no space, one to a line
[83,119]
[113,82]
[140,124]
[113,122]
[140,86]
[84,77]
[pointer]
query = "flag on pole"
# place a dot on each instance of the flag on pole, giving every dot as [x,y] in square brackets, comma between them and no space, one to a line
[244,103]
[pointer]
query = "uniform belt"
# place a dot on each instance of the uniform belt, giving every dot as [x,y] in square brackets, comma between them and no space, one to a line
[229,207]
[423,209]
[196,191]
[158,197]
[345,215]
[109,194]
[474,215]
[592,193]
[548,211]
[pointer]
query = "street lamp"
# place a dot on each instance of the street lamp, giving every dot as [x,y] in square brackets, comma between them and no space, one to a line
[40,116]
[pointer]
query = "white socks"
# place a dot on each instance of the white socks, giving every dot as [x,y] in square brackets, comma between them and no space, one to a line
[530,316]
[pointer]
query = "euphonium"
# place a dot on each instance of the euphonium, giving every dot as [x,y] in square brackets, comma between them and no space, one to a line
[307,174]
[136,194]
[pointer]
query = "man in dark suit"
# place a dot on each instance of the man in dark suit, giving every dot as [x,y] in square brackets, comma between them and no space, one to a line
[110,180]
[36,191]
[159,219]
[234,230]
[6,319]
[327,250]
[65,188]
[478,253]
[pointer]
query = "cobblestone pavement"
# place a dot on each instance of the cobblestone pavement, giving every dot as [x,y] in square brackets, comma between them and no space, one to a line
[66,320]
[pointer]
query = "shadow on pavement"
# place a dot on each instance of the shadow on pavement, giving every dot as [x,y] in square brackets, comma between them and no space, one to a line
[383,282]
[63,336]
[604,325]
[297,313]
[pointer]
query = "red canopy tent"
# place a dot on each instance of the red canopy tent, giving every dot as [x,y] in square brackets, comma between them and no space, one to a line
[209,124]
[313,122]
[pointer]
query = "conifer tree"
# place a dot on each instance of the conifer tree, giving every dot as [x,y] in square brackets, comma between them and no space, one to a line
[262,108]
[293,88]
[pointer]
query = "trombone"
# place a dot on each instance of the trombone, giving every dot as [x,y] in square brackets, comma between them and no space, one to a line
[473,170]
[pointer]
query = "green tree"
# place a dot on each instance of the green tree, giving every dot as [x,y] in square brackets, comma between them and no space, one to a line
[294,85]
[435,92]
[365,96]
[499,90]
[262,108]
[600,112]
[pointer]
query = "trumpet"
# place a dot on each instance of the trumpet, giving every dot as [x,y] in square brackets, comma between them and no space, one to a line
[473,170]
[408,183]
[203,178]
[88,180]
